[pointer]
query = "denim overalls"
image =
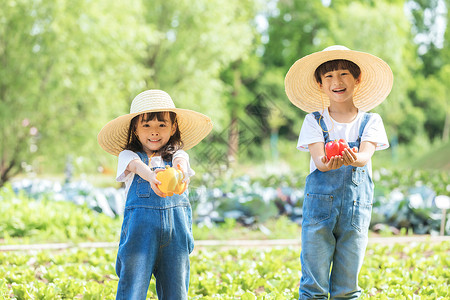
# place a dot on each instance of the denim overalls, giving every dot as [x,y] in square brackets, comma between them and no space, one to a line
[336,217]
[156,238]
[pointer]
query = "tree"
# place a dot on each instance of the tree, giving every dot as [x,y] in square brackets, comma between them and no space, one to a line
[428,19]
[63,64]
[85,60]
[196,42]
[430,27]
[445,75]
[293,31]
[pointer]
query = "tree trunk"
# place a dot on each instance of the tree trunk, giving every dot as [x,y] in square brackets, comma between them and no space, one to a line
[10,158]
[233,139]
[233,136]
[7,171]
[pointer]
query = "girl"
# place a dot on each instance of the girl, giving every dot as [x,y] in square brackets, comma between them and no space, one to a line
[156,236]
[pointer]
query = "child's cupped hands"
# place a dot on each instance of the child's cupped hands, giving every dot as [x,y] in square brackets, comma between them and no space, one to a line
[335,162]
[155,182]
[349,156]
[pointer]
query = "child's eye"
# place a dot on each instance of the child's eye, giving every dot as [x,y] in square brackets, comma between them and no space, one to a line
[145,125]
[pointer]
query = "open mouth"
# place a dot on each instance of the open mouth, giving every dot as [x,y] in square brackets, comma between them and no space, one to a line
[339,90]
[154,141]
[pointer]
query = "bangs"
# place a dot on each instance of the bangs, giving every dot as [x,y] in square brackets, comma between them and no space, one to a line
[337,64]
[174,144]
[161,116]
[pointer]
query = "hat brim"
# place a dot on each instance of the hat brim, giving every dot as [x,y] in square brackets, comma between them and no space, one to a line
[304,92]
[193,127]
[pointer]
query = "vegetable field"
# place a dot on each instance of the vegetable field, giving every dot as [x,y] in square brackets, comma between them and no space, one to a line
[414,271]
[403,199]
[417,270]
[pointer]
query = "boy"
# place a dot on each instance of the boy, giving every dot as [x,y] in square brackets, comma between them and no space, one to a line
[336,87]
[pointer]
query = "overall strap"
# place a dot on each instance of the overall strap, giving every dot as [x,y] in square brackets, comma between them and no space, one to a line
[143,156]
[366,119]
[321,122]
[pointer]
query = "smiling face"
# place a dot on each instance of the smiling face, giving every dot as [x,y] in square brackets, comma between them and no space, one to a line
[154,133]
[338,79]
[339,86]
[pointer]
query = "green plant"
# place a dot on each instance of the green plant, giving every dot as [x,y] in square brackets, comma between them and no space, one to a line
[46,220]
[399,271]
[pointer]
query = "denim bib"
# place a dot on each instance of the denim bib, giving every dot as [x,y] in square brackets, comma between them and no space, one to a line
[141,193]
[348,184]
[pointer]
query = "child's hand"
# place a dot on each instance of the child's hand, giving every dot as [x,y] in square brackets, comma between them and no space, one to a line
[185,180]
[349,156]
[155,182]
[335,162]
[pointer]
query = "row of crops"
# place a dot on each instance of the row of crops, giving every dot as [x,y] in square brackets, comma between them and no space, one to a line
[415,271]
[403,198]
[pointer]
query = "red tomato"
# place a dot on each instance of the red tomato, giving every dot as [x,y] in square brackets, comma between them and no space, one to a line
[342,145]
[331,149]
[335,148]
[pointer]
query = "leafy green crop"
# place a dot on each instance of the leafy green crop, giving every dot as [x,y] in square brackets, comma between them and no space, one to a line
[43,221]
[413,271]
[403,199]
[52,221]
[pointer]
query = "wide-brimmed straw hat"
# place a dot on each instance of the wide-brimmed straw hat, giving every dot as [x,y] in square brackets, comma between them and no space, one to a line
[193,126]
[303,90]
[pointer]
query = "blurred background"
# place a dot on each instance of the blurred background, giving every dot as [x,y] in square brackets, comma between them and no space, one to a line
[69,67]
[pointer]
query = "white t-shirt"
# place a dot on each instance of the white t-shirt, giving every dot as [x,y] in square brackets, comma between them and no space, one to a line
[126,156]
[311,133]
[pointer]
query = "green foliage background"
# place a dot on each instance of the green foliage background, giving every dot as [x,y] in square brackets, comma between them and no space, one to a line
[68,67]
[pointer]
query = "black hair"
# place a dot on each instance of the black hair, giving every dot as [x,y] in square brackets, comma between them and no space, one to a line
[167,151]
[337,64]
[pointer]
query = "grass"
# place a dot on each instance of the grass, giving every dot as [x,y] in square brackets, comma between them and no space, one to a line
[437,158]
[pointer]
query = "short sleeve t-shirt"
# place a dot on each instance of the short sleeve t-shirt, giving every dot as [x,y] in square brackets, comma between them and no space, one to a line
[126,156]
[311,132]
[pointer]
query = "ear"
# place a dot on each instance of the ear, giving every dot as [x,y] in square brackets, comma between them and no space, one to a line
[358,80]
[174,129]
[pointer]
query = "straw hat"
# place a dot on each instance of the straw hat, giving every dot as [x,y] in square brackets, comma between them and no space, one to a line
[303,90]
[193,126]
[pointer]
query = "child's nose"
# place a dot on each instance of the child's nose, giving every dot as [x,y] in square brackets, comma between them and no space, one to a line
[338,79]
